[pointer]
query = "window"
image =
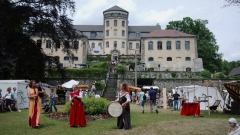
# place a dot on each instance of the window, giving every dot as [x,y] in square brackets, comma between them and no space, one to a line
[130,46]
[123,23]
[137,35]
[58,44]
[100,45]
[76,44]
[123,44]
[169,58]
[75,58]
[123,33]
[188,69]
[115,32]
[187,45]
[137,46]
[66,44]
[178,45]
[66,58]
[169,47]
[107,44]
[159,45]
[115,44]
[150,59]
[150,45]
[48,44]
[39,43]
[107,23]
[115,22]
[93,35]
[107,33]
[93,45]
[188,59]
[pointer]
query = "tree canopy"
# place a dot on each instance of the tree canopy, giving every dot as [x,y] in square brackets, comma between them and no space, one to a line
[21,20]
[206,42]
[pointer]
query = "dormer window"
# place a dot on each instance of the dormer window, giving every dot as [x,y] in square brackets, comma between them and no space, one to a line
[137,35]
[93,34]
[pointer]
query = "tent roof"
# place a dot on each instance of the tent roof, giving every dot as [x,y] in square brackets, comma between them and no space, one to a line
[12,81]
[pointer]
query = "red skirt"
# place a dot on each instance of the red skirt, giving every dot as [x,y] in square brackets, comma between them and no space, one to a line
[77,116]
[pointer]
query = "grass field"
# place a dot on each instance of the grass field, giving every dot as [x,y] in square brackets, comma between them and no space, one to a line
[166,122]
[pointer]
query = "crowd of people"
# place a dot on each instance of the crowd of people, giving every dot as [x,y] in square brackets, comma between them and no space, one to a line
[8,101]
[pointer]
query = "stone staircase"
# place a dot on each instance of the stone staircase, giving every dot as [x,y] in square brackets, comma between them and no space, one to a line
[110,91]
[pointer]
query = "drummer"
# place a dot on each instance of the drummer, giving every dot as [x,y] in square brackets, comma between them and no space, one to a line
[124,121]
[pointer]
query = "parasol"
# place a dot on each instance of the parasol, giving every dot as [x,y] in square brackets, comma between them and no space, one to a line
[133,88]
[70,83]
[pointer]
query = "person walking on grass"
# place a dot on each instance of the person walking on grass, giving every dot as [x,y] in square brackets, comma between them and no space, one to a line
[52,101]
[142,100]
[152,95]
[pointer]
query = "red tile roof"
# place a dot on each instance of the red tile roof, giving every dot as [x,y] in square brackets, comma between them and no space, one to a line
[168,33]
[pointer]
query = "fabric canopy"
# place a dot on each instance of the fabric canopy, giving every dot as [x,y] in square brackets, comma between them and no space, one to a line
[70,83]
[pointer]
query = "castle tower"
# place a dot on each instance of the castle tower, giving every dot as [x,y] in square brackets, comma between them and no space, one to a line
[115,31]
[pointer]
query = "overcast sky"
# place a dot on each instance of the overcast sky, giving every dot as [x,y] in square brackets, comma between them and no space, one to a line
[223,22]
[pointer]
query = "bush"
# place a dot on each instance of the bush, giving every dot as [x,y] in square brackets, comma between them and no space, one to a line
[219,76]
[92,106]
[206,74]
[99,85]
[174,74]
[121,69]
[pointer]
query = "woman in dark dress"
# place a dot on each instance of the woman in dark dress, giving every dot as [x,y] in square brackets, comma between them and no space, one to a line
[124,121]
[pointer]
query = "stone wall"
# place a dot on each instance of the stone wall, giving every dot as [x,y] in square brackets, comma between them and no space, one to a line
[161,74]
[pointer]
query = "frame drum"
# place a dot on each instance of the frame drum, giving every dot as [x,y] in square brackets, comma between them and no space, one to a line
[114,109]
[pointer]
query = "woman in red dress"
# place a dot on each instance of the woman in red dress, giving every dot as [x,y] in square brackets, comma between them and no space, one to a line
[77,116]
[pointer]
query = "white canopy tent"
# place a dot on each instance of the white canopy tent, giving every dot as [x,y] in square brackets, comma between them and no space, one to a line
[70,83]
[200,92]
[21,89]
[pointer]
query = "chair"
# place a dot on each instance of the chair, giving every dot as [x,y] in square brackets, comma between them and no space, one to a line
[215,106]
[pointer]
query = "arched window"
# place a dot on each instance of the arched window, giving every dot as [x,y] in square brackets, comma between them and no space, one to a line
[137,46]
[93,45]
[188,59]
[150,45]
[123,33]
[123,23]
[48,44]
[107,32]
[130,46]
[169,58]
[115,22]
[107,44]
[100,45]
[39,43]
[178,45]
[169,46]
[159,45]
[66,44]
[115,44]
[187,45]
[150,59]
[107,23]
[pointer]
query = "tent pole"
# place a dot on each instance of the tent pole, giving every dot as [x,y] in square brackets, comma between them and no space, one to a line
[208,102]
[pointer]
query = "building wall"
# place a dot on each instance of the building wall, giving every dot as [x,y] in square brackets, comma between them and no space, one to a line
[132,51]
[82,55]
[178,56]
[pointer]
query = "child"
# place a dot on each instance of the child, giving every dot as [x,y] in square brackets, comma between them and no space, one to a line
[52,101]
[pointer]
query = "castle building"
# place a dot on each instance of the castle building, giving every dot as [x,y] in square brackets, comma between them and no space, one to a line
[159,49]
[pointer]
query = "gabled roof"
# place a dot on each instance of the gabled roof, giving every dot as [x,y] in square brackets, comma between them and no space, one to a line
[235,71]
[168,33]
[115,8]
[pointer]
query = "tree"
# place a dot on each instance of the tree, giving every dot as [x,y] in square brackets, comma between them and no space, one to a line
[206,42]
[232,2]
[23,19]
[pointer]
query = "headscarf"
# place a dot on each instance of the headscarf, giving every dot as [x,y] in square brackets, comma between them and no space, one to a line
[233,120]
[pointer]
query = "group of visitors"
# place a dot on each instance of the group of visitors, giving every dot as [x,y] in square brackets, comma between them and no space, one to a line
[9,99]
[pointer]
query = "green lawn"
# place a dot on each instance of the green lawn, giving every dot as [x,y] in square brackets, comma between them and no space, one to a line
[164,123]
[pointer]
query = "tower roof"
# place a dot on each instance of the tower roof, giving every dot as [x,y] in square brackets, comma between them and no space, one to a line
[115,8]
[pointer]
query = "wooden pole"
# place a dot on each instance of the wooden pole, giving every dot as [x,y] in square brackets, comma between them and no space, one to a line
[208,102]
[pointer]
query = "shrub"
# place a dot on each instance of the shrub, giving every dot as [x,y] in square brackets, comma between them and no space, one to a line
[219,76]
[206,74]
[174,74]
[121,69]
[99,85]
[92,106]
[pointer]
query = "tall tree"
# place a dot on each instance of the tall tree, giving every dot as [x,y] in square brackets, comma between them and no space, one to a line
[206,42]
[232,3]
[21,20]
